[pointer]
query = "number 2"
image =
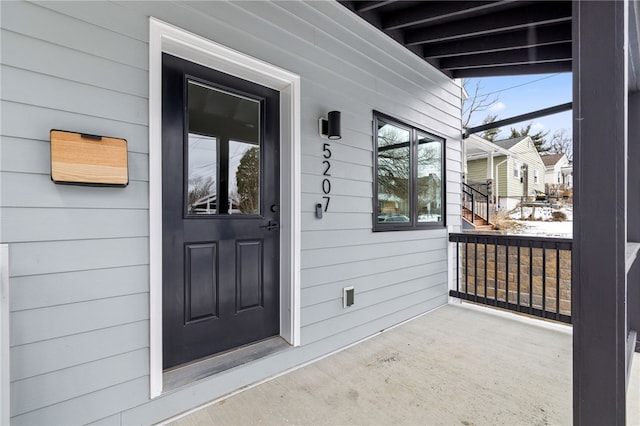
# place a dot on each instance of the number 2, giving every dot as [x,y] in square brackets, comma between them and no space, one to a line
[326,171]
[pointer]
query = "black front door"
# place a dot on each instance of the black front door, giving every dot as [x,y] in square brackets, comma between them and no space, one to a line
[220,202]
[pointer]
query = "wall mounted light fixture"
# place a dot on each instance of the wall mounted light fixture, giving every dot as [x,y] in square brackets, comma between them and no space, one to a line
[330,127]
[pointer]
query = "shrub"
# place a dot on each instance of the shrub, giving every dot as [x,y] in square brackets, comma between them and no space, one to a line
[558,216]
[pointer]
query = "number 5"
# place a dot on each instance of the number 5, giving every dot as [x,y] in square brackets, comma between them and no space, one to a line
[326,150]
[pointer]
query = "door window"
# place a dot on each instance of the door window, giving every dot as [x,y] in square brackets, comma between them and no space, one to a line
[223,155]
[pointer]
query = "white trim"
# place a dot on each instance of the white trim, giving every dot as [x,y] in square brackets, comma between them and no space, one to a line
[164,37]
[5,366]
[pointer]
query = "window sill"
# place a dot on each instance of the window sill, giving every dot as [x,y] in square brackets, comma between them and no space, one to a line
[426,227]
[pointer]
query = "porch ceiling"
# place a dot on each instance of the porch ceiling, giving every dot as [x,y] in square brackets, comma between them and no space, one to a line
[478,38]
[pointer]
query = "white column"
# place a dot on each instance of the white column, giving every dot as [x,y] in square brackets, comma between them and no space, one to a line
[490,166]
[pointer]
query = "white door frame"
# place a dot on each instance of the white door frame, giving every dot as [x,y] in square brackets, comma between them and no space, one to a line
[5,365]
[167,38]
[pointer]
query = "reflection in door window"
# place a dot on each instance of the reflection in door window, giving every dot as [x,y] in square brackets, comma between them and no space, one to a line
[393,173]
[429,179]
[244,178]
[202,173]
[223,159]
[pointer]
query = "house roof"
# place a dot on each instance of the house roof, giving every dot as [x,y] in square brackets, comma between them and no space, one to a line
[478,147]
[509,143]
[551,159]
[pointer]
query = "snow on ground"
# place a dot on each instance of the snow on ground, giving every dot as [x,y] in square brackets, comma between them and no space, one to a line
[544,225]
[540,212]
[547,229]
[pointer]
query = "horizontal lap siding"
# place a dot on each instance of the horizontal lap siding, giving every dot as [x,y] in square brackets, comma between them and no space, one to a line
[529,155]
[79,256]
[477,170]
[388,276]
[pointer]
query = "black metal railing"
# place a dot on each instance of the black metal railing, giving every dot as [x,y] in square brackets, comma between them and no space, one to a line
[476,203]
[519,273]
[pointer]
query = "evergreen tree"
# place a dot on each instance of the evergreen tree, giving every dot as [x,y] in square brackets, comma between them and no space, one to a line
[248,179]
[490,134]
[539,138]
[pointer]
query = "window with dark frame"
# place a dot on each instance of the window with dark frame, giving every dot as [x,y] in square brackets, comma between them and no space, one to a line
[409,177]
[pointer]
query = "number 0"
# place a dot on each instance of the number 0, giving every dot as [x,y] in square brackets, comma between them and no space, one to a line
[326,186]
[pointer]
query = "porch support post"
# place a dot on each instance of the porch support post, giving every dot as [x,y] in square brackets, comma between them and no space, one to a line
[633,211]
[598,260]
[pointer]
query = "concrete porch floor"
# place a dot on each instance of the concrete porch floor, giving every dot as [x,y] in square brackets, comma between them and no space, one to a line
[458,365]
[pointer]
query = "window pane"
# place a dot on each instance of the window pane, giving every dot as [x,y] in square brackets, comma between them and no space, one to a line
[223,157]
[244,178]
[429,179]
[202,173]
[393,173]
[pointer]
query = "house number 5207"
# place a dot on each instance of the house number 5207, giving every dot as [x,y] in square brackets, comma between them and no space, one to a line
[326,182]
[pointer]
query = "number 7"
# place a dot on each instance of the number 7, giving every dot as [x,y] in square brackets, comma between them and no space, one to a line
[326,206]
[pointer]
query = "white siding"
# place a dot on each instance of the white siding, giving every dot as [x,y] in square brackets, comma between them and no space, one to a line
[527,154]
[79,256]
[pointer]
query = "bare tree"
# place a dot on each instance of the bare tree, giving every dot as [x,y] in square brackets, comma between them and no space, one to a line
[393,163]
[476,102]
[561,143]
[200,187]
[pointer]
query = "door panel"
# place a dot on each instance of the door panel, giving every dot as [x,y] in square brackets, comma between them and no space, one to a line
[220,245]
[201,282]
[249,274]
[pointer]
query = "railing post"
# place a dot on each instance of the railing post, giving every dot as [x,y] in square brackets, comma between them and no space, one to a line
[488,209]
[473,208]
[479,202]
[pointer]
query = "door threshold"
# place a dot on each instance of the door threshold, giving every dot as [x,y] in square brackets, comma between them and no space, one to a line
[185,374]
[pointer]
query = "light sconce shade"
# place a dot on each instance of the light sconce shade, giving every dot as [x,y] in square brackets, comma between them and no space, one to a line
[330,127]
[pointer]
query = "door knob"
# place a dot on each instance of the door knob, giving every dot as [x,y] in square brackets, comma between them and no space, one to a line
[271,226]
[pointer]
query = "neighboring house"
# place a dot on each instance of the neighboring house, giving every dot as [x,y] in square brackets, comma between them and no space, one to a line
[558,175]
[121,298]
[477,148]
[518,175]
